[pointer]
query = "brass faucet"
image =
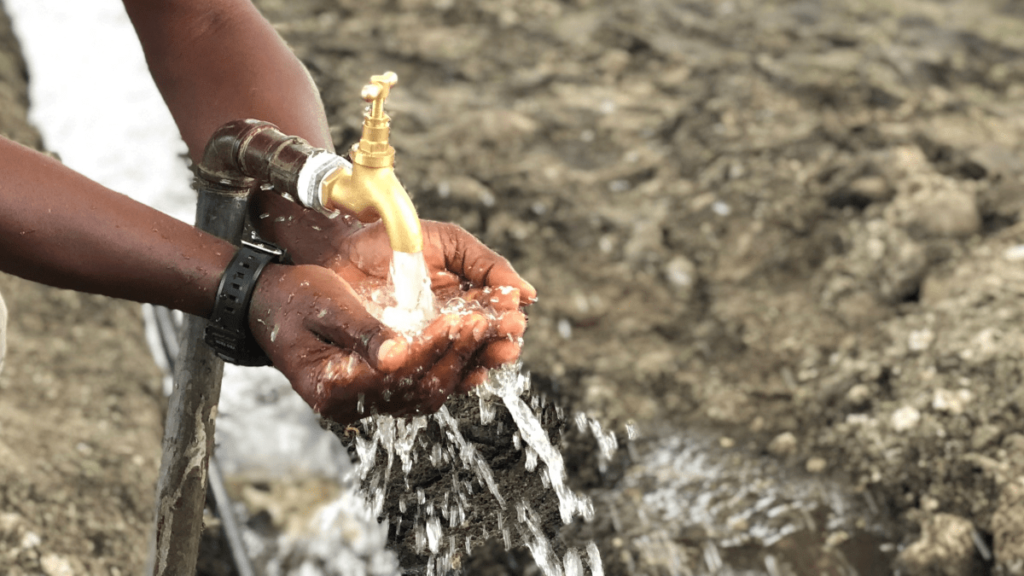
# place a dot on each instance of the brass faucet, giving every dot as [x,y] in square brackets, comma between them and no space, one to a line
[370,188]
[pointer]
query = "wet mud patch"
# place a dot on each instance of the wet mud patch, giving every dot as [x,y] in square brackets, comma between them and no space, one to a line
[442,483]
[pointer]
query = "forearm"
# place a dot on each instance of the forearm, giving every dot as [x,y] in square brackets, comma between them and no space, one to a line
[59,228]
[215,61]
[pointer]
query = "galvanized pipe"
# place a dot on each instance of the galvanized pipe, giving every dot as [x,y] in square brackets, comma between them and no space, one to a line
[191,412]
[169,331]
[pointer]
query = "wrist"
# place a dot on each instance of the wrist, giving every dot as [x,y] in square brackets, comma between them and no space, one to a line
[308,236]
[228,332]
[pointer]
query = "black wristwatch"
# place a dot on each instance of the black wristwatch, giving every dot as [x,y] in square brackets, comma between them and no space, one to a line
[228,329]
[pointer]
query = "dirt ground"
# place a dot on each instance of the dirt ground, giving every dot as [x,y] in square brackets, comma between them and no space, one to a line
[793,220]
[796,223]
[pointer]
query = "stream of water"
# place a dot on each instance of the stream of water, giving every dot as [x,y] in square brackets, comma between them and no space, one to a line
[397,439]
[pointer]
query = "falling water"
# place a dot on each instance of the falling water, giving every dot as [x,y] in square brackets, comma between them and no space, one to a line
[389,441]
[413,308]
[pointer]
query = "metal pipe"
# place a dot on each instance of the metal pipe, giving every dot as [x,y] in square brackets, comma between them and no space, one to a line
[168,332]
[244,151]
[191,412]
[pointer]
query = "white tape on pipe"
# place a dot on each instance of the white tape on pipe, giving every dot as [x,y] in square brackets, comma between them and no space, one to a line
[311,178]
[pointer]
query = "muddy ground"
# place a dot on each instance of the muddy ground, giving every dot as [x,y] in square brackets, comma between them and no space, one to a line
[793,223]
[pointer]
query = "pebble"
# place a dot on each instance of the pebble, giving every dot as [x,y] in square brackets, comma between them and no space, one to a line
[905,418]
[54,565]
[946,548]
[680,272]
[950,401]
[782,445]
[871,188]
[816,465]
[1014,253]
[950,213]
[985,435]
[30,540]
[920,340]
[859,395]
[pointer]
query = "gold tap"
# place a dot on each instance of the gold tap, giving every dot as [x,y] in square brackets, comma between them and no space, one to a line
[370,188]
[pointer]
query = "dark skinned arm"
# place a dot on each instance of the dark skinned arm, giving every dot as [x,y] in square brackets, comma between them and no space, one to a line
[59,228]
[62,229]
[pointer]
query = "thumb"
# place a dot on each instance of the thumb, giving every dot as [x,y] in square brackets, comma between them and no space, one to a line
[339,316]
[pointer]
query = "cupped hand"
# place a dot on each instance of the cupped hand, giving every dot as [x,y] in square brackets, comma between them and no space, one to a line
[342,361]
[460,266]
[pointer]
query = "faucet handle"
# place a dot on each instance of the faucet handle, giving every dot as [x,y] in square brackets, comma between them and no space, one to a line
[373,149]
[376,92]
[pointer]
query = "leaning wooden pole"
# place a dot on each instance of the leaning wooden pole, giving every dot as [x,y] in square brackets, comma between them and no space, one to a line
[191,413]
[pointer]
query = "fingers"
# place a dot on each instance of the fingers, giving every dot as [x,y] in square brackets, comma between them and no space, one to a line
[500,298]
[445,376]
[499,352]
[474,378]
[471,259]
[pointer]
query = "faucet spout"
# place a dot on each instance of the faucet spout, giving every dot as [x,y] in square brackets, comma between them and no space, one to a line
[370,188]
[370,192]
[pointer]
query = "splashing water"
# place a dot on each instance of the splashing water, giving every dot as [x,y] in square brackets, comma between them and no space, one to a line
[414,301]
[465,474]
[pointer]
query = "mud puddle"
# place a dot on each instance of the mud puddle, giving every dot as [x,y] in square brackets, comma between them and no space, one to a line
[695,502]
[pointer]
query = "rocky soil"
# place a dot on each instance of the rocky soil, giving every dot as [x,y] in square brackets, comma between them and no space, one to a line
[795,224]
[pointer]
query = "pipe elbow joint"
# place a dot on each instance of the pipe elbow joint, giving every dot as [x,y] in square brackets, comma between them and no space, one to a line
[220,157]
[243,153]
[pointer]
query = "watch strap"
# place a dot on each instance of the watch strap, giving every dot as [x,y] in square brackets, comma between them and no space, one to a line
[227,331]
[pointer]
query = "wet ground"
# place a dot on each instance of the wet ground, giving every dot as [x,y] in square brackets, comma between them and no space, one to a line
[793,226]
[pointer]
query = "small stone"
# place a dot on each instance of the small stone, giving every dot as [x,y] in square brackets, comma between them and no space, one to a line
[994,160]
[782,445]
[726,442]
[859,395]
[681,272]
[951,402]
[946,548]
[950,213]
[836,538]
[929,503]
[920,340]
[9,522]
[729,407]
[870,189]
[905,418]
[54,565]
[1014,253]
[1008,529]
[816,465]
[30,540]
[985,435]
